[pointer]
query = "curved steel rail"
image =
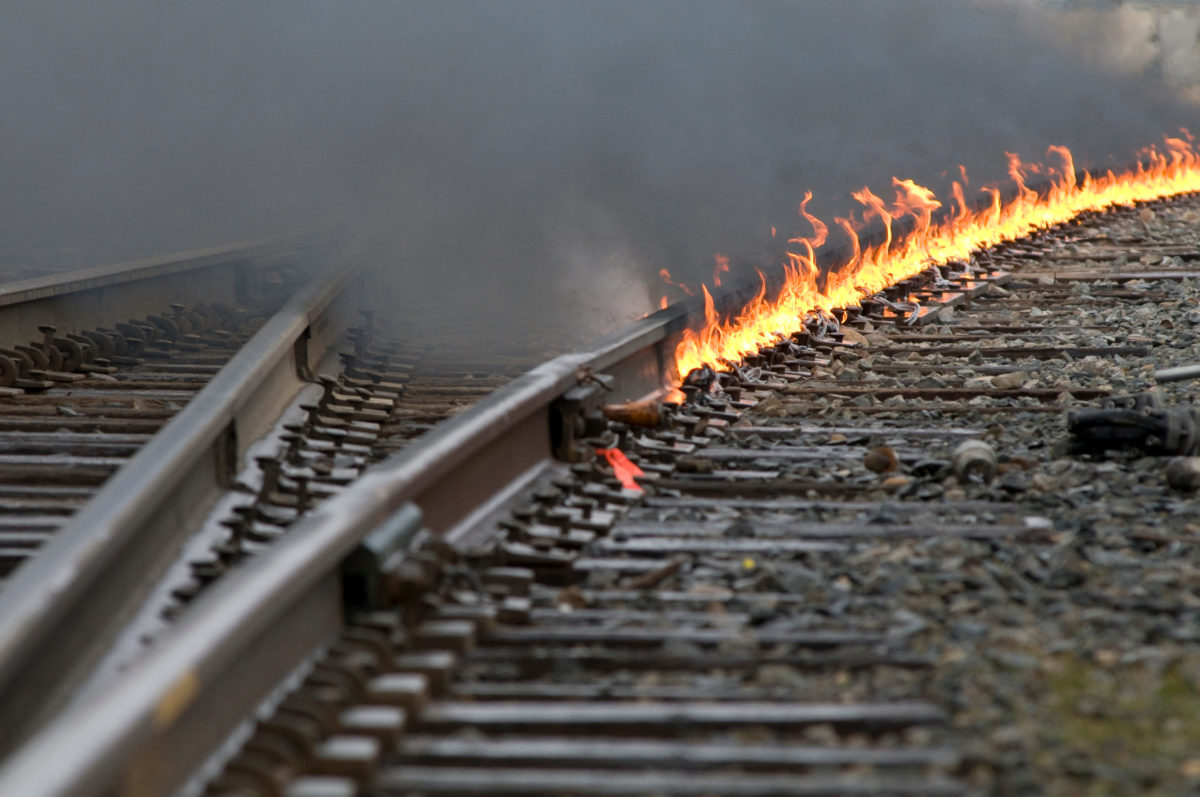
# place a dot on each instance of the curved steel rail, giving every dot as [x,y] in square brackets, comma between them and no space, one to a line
[60,611]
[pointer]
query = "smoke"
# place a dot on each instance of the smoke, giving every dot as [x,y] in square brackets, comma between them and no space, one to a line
[1144,39]
[519,160]
[1118,39]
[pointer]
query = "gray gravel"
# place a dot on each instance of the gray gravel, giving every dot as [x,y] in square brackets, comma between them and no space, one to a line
[1071,663]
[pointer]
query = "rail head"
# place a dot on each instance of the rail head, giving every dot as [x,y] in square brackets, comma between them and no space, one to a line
[235,274]
[104,276]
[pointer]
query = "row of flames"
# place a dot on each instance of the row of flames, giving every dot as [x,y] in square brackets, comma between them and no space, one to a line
[1167,171]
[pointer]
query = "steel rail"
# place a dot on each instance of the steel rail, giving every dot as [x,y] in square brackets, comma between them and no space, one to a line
[61,610]
[157,723]
[96,296]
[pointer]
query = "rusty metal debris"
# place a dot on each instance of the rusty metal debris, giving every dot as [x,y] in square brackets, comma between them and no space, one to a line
[645,414]
[881,459]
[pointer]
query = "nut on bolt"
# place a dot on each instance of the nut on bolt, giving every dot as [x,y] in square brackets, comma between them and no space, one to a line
[1184,474]
[974,461]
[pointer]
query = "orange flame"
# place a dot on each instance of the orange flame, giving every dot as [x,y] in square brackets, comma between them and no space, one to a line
[1173,169]
[623,468]
[665,276]
[722,265]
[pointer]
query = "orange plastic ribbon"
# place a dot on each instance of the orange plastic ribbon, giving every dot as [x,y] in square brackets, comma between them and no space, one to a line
[623,469]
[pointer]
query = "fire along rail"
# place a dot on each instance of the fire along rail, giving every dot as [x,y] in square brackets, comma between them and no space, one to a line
[159,721]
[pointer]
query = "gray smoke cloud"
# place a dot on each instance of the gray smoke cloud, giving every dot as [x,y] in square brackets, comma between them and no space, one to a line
[514,158]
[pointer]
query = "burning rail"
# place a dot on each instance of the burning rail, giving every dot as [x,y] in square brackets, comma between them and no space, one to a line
[585,579]
[279,610]
[936,234]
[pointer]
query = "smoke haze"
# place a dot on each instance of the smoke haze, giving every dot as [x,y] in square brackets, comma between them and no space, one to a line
[519,157]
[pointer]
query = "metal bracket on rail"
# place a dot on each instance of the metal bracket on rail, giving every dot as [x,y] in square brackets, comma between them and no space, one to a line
[576,416]
[1135,422]
[370,574]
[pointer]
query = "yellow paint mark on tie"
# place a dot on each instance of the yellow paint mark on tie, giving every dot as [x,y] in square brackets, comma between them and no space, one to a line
[175,700]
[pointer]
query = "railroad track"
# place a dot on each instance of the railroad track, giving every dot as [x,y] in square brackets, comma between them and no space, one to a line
[147,457]
[821,589]
[387,394]
[77,407]
[95,366]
